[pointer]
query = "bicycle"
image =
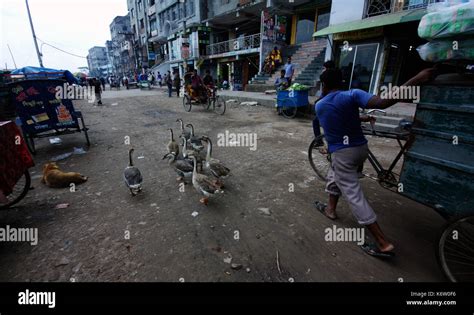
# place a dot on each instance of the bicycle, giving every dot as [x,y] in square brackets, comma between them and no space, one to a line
[320,159]
[19,192]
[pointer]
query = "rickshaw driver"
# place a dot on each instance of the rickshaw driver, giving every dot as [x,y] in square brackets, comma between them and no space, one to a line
[338,114]
[198,85]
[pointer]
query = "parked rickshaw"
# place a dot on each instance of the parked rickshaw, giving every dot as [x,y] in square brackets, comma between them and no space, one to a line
[41,114]
[15,161]
[438,167]
[207,98]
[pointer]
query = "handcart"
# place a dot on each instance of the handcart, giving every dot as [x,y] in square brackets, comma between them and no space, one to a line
[41,114]
[438,168]
[289,101]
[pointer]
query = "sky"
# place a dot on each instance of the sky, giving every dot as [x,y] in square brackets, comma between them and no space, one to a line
[72,25]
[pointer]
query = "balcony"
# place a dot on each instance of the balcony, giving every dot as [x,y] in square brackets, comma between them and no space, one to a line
[379,7]
[236,46]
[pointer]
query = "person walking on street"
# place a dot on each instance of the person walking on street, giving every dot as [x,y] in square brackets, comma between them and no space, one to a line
[97,90]
[338,114]
[289,71]
[159,79]
[169,83]
[177,82]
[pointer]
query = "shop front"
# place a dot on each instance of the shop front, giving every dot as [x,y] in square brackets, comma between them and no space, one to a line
[377,51]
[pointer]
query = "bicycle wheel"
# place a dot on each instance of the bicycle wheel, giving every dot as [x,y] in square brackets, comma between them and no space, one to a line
[19,191]
[187,103]
[289,108]
[219,106]
[455,250]
[319,157]
[30,143]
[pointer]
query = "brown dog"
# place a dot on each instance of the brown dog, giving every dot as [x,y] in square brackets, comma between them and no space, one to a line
[55,178]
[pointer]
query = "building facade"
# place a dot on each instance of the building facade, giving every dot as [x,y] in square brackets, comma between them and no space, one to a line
[97,61]
[122,47]
[372,38]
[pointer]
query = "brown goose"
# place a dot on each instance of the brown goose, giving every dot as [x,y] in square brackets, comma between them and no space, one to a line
[204,185]
[173,146]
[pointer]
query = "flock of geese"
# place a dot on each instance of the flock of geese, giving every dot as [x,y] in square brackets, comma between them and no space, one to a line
[184,158]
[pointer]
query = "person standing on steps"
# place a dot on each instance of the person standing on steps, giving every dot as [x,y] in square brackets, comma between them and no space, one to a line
[289,71]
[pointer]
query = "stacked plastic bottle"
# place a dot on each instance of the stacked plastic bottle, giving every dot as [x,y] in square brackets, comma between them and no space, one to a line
[449,26]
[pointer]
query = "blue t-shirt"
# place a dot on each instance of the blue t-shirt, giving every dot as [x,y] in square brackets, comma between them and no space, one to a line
[338,114]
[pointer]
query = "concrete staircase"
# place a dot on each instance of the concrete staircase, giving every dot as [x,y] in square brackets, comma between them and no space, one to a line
[307,58]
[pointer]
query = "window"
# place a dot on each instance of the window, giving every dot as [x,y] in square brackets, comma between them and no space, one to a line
[131,12]
[323,18]
[357,64]
[191,7]
[142,24]
[139,5]
[152,2]
[153,25]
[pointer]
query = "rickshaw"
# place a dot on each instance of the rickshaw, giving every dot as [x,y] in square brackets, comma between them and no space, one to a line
[438,166]
[15,160]
[41,114]
[207,98]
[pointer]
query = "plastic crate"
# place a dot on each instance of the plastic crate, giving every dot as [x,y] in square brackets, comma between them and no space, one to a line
[292,98]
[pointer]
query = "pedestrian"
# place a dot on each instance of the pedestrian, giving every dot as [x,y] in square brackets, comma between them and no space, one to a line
[338,114]
[159,79]
[169,83]
[289,71]
[177,82]
[98,90]
[281,83]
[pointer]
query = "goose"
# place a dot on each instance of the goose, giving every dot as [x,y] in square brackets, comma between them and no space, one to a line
[132,176]
[184,132]
[205,185]
[195,142]
[215,167]
[183,167]
[173,146]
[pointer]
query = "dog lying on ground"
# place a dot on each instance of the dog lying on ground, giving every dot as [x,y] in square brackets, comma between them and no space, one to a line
[55,178]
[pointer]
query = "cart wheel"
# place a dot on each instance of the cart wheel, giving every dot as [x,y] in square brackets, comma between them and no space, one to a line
[19,191]
[187,103]
[219,106]
[455,250]
[30,143]
[289,109]
[319,157]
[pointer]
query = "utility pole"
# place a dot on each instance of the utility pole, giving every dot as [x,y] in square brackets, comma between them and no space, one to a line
[34,35]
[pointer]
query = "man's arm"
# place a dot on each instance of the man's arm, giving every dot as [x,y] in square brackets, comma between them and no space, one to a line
[424,76]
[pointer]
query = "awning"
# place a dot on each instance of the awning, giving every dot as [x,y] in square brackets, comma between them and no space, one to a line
[376,21]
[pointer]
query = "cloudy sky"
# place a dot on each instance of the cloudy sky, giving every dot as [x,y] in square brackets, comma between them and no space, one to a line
[72,25]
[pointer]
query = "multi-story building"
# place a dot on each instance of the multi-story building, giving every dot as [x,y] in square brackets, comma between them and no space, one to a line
[372,38]
[122,46]
[141,13]
[245,31]
[180,39]
[97,61]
